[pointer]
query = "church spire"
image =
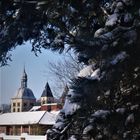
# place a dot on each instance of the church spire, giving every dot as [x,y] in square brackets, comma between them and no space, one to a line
[24,79]
[47,91]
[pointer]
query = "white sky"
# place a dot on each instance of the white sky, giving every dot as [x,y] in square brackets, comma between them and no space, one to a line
[10,76]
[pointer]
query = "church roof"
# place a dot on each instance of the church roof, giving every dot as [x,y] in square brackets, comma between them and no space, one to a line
[47,91]
[25,93]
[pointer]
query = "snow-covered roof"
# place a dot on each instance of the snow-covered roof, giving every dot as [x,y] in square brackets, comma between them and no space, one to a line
[25,118]
[50,104]
[35,108]
[49,118]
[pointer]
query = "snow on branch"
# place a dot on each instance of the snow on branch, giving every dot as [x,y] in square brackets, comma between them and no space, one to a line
[105,38]
[119,57]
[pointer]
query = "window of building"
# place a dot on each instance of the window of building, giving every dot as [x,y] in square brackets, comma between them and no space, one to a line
[14,110]
[50,100]
[14,104]
[43,102]
[18,110]
[18,104]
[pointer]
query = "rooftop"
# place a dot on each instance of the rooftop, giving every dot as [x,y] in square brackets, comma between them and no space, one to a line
[24,118]
[24,93]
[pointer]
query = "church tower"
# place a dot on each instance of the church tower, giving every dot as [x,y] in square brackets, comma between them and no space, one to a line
[24,79]
[47,96]
[24,99]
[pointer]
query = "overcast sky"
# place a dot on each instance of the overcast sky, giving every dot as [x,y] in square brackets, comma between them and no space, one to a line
[10,76]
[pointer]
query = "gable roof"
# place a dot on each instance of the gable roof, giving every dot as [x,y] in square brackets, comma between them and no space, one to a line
[25,118]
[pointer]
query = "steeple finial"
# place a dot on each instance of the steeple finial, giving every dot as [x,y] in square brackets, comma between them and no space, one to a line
[24,69]
[24,79]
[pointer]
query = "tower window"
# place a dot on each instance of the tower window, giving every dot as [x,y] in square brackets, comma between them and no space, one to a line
[43,102]
[14,104]
[18,104]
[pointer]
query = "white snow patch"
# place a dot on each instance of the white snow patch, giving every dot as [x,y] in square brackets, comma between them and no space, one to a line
[35,108]
[120,5]
[119,57]
[90,72]
[96,74]
[72,138]
[121,110]
[42,3]
[99,32]
[72,9]
[128,17]
[87,129]
[87,71]
[130,119]
[69,108]
[73,31]
[59,125]
[112,20]
[101,114]
[16,13]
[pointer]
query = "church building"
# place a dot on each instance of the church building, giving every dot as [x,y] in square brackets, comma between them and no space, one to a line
[24,99]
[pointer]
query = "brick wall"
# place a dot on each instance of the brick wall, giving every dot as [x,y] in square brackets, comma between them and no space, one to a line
[53,107]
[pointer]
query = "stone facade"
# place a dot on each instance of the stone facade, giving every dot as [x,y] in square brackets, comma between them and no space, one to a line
[19,105]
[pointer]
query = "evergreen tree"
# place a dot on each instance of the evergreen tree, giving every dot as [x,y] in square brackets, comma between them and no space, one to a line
[104,99]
